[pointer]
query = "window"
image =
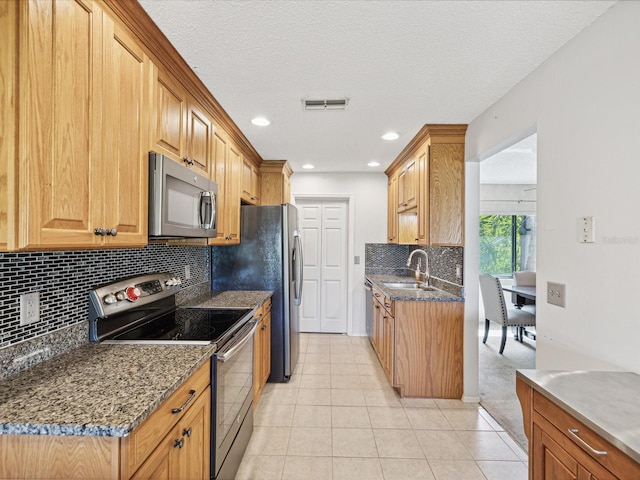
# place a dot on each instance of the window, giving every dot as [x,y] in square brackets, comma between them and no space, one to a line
[507,244]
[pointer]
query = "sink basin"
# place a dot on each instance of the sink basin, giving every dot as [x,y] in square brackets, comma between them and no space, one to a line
[408,286]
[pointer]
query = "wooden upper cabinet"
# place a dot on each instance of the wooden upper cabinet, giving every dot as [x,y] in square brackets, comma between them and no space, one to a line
[171,117]
[446,206]
[392,209]
[226,172]
[61,168]
[422,172]
[250,182]
[8,99]
[430,188]
[407,186]
[274,182]
[199,138]
[126,113]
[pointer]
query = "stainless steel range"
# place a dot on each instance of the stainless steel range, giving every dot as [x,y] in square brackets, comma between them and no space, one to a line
[142,310]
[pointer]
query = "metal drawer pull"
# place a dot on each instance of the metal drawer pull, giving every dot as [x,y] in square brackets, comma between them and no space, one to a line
[178,443]
[186,432]
[574,432]
[192,395]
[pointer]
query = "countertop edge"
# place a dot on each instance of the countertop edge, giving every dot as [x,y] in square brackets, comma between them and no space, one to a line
[603,432]
[425,296]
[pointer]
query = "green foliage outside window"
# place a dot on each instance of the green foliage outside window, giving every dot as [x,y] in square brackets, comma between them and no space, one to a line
[500,246]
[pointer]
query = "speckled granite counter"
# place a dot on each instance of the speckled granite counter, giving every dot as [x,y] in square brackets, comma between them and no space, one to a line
[454,293]
[106,390]
[230,299]
[607,402]
[96,390]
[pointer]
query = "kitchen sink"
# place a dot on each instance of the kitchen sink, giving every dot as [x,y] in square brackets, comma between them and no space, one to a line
[408,286]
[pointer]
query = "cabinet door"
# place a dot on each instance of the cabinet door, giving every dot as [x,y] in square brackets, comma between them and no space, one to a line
[199,137]
[250,183]
[422,171]
[126,112]
[266,344]
[258,345]
[392,210]
[195,431]
[162,462]
[171,113]
[234,186]
[60,163]
[409,186]
[552,462]
[218,171]
[387,340]
[446,204]
[8,99]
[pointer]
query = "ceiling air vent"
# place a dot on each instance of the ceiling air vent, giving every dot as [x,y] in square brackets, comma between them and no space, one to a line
[335,104]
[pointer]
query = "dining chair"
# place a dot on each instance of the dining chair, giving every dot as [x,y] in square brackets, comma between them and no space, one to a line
[495,310]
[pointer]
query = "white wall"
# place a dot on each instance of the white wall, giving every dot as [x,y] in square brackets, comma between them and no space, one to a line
[584,102]
[368,194]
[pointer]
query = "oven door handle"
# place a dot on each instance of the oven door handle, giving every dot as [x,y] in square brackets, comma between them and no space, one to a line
[239,341]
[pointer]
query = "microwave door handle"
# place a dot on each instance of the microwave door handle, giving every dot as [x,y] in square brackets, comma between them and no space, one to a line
[206,210]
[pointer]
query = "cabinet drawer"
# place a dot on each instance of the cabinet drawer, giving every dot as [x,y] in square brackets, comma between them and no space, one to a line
[617,462]
[144,439]
[389,305]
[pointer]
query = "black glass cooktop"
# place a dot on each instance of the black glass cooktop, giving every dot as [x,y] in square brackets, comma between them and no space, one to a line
[185,324]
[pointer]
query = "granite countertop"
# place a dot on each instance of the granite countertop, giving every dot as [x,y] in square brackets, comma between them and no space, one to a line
[106,390]
[606,402]
[446,292]
[96,390]
[229,299]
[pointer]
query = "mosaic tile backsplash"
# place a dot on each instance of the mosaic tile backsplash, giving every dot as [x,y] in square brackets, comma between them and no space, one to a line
[64,278]
[382,258]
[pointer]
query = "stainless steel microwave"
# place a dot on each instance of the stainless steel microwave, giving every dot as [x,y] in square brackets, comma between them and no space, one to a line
[182,203]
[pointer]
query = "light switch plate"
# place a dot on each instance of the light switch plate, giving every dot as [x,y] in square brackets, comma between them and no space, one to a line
[587,230]
[556,294]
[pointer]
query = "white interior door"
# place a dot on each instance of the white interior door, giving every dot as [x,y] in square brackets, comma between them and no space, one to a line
[324,290]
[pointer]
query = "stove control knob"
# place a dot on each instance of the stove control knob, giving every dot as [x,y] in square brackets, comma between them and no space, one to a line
[178,281]
[110,299]
[121,295]
[132,293]
[170,283]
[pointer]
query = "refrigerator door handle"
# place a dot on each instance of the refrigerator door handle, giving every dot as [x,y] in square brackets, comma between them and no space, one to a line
[298,269]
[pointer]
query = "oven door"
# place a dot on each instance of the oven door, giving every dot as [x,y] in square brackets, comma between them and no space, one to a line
[234,395]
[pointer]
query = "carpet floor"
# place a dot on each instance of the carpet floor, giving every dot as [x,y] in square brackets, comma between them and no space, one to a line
[497,379]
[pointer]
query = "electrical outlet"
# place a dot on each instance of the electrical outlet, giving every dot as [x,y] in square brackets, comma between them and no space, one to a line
[458,271]
[29,308]
[187,272]
[356,260]
[556,294]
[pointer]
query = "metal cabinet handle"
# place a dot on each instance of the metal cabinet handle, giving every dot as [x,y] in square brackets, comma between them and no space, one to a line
[388,305]
[192,395]
[100,231]
[186,432]
[376,295]
[188,161]
[112,232]
[574,432]
[178,443]
[264,327]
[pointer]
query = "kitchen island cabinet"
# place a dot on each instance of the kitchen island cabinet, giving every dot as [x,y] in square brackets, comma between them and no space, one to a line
[417,336]
[580,425]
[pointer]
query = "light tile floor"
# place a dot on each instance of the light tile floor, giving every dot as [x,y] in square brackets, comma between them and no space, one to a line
[339,419]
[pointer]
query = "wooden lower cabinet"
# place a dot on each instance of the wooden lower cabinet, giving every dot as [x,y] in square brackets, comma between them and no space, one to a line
[166,445]
[262,352]
[180,454]
[419,345]
[557,454]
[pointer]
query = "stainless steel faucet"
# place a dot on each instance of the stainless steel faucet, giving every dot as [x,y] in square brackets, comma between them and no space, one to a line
[426,267]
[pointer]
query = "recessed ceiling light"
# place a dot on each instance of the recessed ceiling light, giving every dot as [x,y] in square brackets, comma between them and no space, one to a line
[391,136]
[308,166]
[260,121]
[373,164]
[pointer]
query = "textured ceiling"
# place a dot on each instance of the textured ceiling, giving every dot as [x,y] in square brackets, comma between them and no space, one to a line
[401,63]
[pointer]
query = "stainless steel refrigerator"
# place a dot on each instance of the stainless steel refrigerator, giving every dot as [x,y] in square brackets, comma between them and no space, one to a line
[269,257]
